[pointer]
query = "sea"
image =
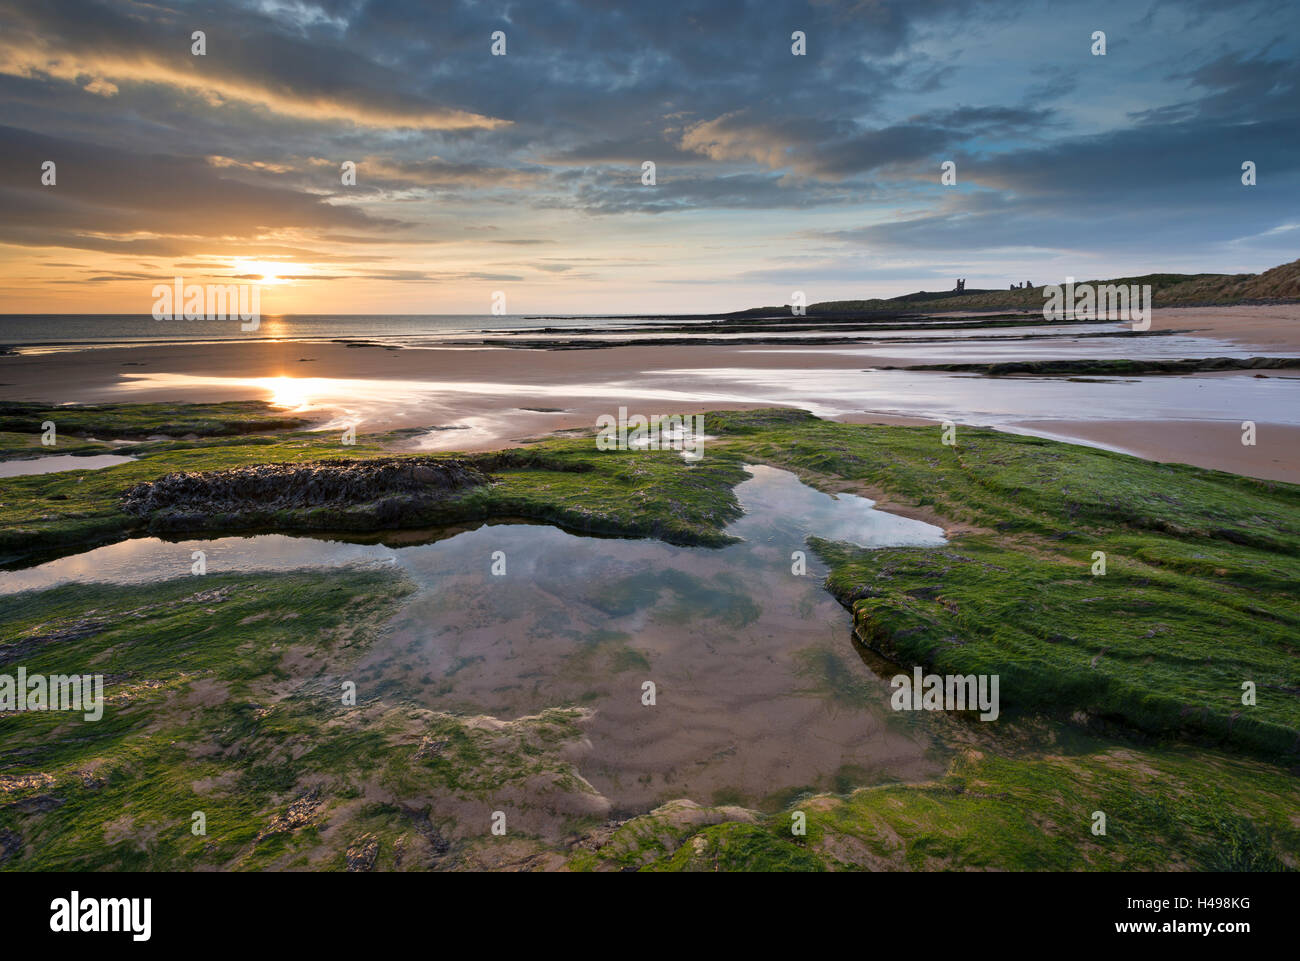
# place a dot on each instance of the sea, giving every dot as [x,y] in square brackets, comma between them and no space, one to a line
[66,331]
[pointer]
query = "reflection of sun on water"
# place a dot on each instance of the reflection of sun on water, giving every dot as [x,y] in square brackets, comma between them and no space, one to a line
[273,328]
[287,392]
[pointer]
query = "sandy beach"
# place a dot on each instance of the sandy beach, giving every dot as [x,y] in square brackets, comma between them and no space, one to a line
[1270,327]
[482,398]
[1213,444]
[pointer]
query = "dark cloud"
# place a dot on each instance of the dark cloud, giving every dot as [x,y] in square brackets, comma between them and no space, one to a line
[1130,191]
[100,192]
[1055,149]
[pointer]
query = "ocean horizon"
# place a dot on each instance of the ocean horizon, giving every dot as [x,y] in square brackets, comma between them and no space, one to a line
[106,330]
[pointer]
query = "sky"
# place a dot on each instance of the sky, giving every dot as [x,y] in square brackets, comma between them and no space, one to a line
[520,175]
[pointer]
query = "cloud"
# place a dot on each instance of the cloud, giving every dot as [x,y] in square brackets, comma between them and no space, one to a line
[116,200]
[833,156]
[836,149]
[282,75]
[437,172]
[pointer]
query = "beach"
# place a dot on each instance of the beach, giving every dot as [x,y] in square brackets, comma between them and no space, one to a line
[479,398]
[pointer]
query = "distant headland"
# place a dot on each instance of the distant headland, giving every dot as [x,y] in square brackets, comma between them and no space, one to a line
[1276,285]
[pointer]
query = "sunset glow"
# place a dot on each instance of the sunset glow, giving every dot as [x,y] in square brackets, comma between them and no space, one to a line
[473,174]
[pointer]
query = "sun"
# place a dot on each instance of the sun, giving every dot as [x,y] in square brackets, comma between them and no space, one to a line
[268,269]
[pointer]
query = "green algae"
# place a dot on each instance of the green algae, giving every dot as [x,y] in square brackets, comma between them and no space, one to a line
[142,420]
[222,696]
[1198,597]
[565,481]
[1164,809]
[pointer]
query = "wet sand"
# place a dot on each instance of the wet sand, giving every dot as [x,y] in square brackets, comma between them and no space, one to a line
[491,397]
[1214,444]
[1275,327]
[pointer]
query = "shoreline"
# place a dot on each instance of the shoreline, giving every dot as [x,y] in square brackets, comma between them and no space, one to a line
[1263,326]
[476,398]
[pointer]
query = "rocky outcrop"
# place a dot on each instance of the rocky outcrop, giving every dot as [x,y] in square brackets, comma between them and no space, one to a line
[301,813]
[362,853]
[375,492]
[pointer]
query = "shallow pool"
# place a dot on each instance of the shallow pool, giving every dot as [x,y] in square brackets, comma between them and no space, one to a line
[60,462]
[761,691]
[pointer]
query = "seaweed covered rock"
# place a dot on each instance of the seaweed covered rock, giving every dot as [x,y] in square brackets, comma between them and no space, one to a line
[386,491]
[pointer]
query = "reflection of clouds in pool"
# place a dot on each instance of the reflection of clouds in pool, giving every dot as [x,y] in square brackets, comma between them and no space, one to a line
[144,559]
[728,634]
[782,506]
[779,509]
[60,462]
